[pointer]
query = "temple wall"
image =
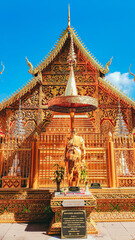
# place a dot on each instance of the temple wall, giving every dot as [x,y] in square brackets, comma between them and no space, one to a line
[25,206]
[34,205]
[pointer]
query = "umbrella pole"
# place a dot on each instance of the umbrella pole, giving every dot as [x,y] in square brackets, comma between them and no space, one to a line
[72,114]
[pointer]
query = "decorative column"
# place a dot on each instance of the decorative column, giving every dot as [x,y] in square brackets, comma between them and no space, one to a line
[8,116]
[111,163]
[34,171]
[1,158]
[134,153]
[129,117]
[97,119]
[40,111]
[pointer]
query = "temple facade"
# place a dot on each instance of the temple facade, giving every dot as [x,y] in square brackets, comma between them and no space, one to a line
[49,80]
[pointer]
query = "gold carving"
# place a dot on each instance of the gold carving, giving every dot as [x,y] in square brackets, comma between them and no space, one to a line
[32,100]
[107,127]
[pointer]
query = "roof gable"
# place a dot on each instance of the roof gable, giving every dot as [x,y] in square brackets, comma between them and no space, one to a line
[51,56]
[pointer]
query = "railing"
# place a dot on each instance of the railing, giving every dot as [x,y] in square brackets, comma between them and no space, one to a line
[29,163]
[124,156]
[52,151]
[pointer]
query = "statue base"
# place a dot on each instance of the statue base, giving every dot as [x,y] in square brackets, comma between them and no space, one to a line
[75,201]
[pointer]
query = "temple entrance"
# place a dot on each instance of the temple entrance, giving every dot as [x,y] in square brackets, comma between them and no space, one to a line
[52,151]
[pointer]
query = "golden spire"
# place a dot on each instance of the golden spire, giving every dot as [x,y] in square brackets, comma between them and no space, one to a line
[71,89]
[3,68]
[68,16]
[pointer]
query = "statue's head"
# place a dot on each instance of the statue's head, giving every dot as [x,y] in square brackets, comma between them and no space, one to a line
[73,132]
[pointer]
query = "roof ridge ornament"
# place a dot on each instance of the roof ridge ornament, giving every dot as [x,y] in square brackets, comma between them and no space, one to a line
[108,65]
[31,71]
[68,16]
[131,73]
[3,68]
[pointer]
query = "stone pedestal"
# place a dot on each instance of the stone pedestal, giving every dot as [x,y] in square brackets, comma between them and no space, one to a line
[73,202]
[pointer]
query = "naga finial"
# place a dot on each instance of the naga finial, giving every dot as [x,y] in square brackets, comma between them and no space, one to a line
[31,71]
[107,66]
[131,73]
[3,68]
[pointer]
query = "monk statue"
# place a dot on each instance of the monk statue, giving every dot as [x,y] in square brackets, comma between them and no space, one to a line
[74,158]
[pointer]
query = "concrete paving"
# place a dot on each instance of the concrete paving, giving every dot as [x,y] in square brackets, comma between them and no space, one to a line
[107,231]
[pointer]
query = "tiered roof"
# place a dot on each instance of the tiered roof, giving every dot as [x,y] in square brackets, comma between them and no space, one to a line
[50,57]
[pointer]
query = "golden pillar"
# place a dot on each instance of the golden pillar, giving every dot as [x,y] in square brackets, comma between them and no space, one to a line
[34,164]
[111,163]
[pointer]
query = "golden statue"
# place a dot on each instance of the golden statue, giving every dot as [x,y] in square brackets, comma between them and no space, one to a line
[74,158]
[2,69]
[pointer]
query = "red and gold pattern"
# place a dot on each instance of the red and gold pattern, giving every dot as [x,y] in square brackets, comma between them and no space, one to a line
[34,205]
[11,182]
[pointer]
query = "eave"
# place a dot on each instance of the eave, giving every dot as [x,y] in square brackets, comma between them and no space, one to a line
[53,53]
[116,91]
[86,52]
[16,96]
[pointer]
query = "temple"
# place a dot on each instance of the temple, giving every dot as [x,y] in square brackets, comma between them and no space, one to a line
[33,137]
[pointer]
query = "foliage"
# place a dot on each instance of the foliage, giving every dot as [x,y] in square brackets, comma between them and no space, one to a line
[84,174]
[58,173]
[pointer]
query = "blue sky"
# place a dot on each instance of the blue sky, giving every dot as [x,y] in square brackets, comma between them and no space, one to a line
[31,28]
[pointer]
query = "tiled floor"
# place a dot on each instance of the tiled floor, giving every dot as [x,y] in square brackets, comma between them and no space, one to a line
[107,231]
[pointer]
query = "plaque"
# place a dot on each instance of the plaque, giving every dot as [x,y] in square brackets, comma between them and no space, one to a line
[74,189]
[73,224]
[95,185]
[73,203]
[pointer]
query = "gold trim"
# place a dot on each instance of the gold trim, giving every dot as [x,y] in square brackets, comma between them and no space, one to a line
[85,51]
[53,53]
[115,90]
[16,96]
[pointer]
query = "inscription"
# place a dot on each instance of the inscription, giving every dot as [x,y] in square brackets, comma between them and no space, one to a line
[73,224]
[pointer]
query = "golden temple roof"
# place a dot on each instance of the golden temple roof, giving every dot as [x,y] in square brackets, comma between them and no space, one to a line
[116,91]
[53,53]
[18,94]
[50,57]
[59,44]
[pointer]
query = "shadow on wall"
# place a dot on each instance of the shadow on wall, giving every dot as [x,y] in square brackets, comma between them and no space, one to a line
[25,206]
